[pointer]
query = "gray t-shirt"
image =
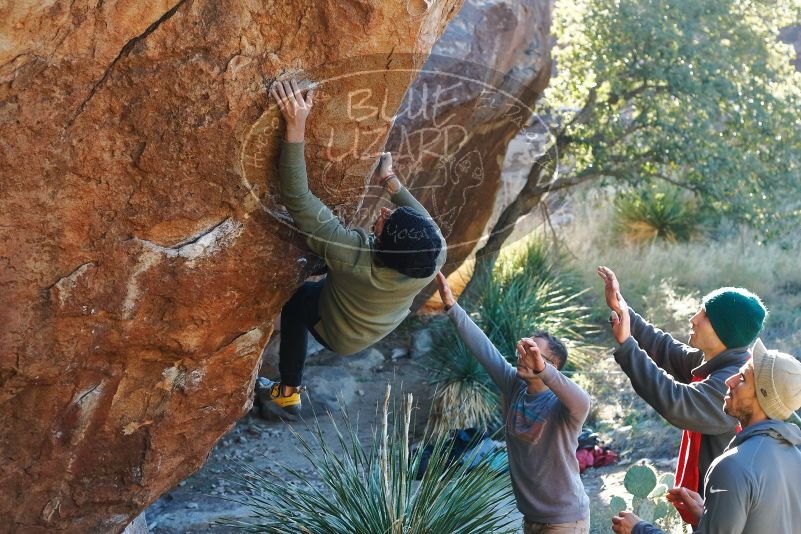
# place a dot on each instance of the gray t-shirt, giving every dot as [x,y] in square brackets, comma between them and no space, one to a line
[541,432]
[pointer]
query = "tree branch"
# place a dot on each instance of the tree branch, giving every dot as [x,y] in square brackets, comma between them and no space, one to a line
[584,113]
[630,94]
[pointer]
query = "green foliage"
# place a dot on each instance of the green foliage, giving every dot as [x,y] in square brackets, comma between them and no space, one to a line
[528,290]
[464,396]
[532,288]
[640,480]
[647,495]
[645,214]
[617,504]
[367,490]
[664,281]
[698,94]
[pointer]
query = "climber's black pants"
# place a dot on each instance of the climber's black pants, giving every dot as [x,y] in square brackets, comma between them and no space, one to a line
[298,318]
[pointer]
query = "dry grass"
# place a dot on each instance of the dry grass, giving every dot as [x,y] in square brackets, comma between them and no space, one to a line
[665,281]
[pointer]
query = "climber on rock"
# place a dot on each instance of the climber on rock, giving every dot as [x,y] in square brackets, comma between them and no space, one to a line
[371,278]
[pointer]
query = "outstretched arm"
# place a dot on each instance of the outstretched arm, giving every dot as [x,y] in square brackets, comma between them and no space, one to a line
[696,406]
[500,371]
[575,401]
[399,195]
[673,356]
[325,234]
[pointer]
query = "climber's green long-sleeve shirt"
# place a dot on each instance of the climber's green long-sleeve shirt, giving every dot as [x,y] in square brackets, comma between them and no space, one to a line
[361,302]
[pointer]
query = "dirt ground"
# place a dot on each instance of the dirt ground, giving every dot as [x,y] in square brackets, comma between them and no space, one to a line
[629,426]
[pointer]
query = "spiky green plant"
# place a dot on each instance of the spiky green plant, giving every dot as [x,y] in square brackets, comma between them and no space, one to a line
[530,289]
[518,306]
[464,396]
[646,214]
[371,489]
[533,288]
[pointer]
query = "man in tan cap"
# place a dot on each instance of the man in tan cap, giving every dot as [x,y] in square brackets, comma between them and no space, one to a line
[753,486]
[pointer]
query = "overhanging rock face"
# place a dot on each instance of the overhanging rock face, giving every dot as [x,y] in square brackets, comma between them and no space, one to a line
[143,256]
[475,93]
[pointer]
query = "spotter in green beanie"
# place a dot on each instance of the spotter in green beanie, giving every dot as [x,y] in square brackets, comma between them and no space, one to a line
[736,314]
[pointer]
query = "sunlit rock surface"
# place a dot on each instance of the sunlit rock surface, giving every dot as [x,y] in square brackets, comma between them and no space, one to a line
[474,95]
[143,256]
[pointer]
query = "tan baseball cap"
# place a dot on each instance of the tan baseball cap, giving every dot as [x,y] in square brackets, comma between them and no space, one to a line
[778,382]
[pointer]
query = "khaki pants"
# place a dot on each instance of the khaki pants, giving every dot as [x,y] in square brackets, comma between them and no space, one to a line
[577,527]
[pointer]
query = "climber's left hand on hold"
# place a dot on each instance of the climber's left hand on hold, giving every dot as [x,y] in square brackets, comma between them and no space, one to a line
[294,106]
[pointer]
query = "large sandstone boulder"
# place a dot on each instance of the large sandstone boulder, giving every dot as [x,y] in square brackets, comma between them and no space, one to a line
[143,255]
[473,96]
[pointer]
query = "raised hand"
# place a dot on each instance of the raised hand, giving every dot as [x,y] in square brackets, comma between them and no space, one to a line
[384,174]
[294,107]
[685,499]
[619,319]
[384,168]
[611,287]
[529,358]
[445,290]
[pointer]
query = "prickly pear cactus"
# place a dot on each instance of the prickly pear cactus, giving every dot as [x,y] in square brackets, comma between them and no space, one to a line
[645,509]
[659,491]
[662,509]
[647,495]
[640,480]
[617,504]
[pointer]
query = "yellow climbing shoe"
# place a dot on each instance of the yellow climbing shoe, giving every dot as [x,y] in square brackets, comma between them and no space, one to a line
[274,405]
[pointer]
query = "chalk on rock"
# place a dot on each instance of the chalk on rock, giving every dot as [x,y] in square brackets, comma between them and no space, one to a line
[137,526]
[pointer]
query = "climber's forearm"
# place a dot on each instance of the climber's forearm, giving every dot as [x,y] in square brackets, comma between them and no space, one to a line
[295,133]
[402,197]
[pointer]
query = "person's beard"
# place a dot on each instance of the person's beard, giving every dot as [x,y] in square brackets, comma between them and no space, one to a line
[742,413]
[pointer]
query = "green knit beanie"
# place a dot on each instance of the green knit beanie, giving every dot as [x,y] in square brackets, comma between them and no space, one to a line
[736,315]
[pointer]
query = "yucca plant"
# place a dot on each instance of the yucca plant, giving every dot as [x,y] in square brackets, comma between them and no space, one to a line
[464,396]
[528,290]
[371,489]
[517,307]
[646,214]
